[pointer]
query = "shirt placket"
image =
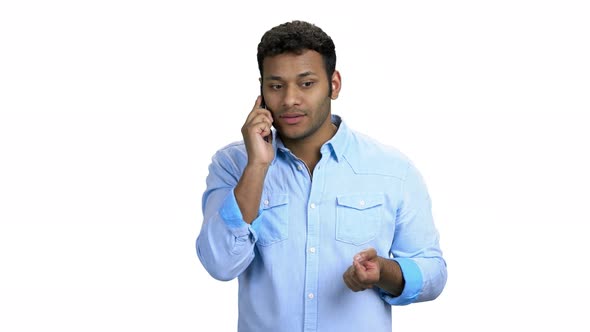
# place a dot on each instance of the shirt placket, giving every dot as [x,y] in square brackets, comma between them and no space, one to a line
[313,250]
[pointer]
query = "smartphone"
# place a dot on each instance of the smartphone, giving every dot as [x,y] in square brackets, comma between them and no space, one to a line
[262,104]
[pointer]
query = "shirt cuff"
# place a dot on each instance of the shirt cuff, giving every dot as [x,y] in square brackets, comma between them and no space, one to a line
[232,216]
[413,283]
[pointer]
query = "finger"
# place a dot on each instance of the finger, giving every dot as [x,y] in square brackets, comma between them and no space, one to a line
[265,116]
[349,280]
[362,275]
[366,255]
[255,118]
[262,128]
[357,277]
[258,105]
[262,122]
[259,117]
[258,102]
[254,113]
[359,271]
[356,286]
[258,112]
[347,277]
[370,253]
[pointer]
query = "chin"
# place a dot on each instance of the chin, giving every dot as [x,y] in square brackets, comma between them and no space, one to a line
[297,135]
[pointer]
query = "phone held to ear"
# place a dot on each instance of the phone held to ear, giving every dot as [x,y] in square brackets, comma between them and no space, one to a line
[262,104]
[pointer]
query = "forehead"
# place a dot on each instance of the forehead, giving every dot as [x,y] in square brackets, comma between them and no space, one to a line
[287,65]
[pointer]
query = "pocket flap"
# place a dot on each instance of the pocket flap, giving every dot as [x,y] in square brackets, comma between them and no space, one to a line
[361,201]
[271,201]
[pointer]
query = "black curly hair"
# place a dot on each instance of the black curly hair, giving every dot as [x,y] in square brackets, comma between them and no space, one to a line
[296,37]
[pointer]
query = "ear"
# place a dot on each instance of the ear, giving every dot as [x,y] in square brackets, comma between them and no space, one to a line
[336,84]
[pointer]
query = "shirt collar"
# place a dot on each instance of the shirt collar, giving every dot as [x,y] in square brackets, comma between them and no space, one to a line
[339,141]
[336,145]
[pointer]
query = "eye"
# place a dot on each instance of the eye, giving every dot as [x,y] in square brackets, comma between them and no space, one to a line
[276,86]
[308,84]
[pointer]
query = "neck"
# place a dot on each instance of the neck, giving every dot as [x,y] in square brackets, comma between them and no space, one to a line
[308,148]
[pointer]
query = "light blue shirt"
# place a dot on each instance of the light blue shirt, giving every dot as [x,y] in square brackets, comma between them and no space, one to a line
[290,260]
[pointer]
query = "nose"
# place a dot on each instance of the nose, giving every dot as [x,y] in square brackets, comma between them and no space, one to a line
[291,97]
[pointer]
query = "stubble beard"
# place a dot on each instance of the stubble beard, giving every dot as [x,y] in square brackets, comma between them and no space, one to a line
[315,125]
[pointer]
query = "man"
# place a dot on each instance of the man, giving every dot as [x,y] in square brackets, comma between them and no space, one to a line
[324,228]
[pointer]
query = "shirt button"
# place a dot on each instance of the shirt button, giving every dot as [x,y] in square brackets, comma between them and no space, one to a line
[312,250]
[362,202]
[299,167]
[312,206]
[310,296]
[266,202]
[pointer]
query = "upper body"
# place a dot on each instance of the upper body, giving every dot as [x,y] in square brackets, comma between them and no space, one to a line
[324,228]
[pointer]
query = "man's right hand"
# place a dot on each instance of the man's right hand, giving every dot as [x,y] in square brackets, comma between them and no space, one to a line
[258,135]
[258,139]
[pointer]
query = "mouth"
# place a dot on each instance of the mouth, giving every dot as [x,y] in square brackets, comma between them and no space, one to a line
[292,118]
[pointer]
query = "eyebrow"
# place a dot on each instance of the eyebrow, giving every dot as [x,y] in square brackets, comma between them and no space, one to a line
[279,78]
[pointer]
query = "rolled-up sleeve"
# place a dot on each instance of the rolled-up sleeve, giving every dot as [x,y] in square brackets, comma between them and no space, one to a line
[416,244]
[225,245]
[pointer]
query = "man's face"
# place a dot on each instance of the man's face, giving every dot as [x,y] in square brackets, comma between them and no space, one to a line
[296,91]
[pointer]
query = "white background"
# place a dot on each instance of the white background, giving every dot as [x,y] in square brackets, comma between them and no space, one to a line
[111,110]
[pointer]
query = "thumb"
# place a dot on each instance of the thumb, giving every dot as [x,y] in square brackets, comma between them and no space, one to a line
[366,255]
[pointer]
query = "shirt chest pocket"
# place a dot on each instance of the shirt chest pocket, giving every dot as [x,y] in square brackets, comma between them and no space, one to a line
[274,221]
[358,217]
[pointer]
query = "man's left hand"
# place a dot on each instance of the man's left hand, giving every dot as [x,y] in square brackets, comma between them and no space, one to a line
[364,272]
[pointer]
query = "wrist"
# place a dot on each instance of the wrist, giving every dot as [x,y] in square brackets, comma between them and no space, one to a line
[254,166]
[391,278]
[382,266]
